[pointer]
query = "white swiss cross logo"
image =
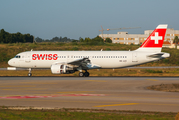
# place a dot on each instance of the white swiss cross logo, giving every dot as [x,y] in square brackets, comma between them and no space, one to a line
[156,38]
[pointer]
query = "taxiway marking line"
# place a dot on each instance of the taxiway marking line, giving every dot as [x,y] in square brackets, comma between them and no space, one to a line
[117,105]
[96,80]
[25,89]
[152,79]
[38,82]
[76,92]
[17,86]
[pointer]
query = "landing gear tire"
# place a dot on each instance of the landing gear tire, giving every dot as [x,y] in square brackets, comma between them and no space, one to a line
[86,74]
[30,74]
[81,74]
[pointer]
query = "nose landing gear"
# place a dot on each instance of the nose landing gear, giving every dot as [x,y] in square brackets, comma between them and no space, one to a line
[30,74]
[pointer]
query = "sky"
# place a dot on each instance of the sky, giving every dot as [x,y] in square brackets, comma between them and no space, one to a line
[83,18]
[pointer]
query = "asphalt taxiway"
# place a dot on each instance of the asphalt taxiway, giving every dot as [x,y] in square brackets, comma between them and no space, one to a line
[113,93]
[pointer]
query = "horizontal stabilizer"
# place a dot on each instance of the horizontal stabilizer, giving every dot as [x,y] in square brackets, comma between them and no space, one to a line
[159,55]
[155,55]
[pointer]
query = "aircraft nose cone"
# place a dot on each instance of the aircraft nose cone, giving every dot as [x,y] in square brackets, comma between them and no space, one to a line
[10,62]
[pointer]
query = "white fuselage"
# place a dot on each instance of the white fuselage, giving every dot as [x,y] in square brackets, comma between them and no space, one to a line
[98,59]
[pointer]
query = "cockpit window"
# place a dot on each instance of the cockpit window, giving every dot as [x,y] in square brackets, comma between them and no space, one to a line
[17,56]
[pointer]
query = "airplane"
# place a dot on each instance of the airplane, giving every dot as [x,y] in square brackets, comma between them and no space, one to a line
[67,62]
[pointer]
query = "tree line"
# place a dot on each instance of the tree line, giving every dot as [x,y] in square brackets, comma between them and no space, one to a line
[55,39]
[95,40]
[6,37]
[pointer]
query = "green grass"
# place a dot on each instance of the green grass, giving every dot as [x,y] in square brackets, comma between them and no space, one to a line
[72,114]
[154,71]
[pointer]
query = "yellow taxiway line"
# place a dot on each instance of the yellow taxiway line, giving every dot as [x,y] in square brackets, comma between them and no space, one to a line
[152,79]
[117,105]
[96,80]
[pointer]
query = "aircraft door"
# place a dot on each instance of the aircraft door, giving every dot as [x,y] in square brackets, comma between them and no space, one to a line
[28,57]
[134,57]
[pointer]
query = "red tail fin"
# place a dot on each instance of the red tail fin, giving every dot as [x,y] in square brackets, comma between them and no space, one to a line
[155,40]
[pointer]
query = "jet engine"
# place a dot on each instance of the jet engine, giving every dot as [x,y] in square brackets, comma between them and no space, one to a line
[61,69]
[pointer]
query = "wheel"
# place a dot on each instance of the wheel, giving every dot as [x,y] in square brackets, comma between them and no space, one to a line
[86,74]
[81,74]
[30,74]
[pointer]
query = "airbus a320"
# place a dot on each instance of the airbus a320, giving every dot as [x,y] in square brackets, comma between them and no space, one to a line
[67,62]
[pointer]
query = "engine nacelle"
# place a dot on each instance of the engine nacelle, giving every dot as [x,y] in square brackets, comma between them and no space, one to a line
[61,69]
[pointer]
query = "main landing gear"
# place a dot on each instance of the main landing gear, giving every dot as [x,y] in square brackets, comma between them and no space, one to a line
[84,74]
[30,74]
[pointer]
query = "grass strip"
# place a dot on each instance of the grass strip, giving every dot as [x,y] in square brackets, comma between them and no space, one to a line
[82,114]
[165,87]
[101,72]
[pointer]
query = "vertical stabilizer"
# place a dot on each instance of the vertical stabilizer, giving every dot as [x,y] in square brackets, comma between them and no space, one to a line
[154,42]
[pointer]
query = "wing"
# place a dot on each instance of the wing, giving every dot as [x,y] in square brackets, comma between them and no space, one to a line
[83,63]
[79,62]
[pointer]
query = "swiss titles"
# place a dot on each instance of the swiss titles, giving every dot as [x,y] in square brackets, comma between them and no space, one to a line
[44,57]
